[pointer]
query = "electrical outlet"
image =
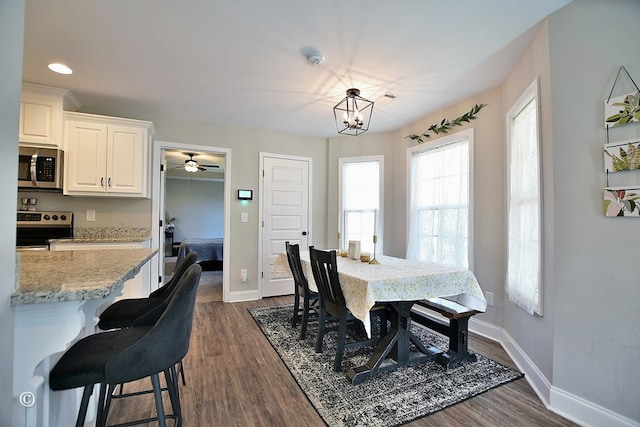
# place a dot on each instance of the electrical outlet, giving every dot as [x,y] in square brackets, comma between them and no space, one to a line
[91,215]
[243,274]
[489,297]
[244,217]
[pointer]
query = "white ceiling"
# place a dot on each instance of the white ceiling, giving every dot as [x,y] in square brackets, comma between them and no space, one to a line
[242,62]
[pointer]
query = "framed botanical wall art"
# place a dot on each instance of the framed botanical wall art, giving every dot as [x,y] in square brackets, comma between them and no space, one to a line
[622,201]
[623,109]
[622,156]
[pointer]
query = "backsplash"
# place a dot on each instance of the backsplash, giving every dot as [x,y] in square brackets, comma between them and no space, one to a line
[110,212]
[111,233]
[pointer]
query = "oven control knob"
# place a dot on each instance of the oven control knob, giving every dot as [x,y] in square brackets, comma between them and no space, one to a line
[55,217]
[63,217]
[47,217]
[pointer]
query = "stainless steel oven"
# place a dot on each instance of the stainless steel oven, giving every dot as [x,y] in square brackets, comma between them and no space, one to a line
[35,229]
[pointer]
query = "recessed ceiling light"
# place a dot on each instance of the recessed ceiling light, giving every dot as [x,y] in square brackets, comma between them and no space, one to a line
[60,68]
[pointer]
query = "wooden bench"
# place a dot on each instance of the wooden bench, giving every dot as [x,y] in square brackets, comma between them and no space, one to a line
[457,328]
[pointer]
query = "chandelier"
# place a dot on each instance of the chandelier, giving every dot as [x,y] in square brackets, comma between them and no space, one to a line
[353,113]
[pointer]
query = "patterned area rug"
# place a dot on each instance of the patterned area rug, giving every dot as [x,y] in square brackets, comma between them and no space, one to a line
[387,400]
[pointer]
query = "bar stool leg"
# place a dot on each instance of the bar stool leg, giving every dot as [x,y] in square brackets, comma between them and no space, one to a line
[172,386]
[103,409]
[84,403]
[182,373]
[157,393]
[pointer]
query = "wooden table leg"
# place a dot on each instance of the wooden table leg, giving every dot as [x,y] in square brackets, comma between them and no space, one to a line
[393,351]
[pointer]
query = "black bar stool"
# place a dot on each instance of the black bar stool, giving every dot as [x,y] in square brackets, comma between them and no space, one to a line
[123,313]
[125,355]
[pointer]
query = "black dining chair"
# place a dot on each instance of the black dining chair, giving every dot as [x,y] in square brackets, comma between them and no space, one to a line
[332,303]
[125,355]
[123,313]
[310,300]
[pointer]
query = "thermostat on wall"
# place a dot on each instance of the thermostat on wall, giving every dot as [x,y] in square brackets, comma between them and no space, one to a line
[245,194]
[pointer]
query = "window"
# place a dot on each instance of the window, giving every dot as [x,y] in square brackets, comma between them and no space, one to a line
[440,200]
[523,283]
[360,201]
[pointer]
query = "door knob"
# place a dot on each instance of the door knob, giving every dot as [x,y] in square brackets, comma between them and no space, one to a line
[304,233]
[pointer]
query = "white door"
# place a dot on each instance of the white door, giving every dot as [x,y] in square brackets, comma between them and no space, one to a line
[285,213]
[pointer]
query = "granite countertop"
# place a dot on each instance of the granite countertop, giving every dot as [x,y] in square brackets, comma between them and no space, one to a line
[107,235]
[125,239]
[54,276]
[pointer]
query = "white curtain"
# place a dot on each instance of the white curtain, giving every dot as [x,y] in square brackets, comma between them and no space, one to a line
[524,245]
[361,202]
[439,205]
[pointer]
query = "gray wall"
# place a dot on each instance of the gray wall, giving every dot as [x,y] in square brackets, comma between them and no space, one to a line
[11,36]
[596,281]
[198,207]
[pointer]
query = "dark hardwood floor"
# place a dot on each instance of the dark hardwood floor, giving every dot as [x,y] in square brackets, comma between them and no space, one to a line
[235,378]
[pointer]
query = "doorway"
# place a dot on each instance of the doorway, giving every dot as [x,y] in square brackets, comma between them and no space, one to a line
[191,205]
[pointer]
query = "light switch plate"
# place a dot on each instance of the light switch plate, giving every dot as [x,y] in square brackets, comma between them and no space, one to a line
[91,215]
[244,216]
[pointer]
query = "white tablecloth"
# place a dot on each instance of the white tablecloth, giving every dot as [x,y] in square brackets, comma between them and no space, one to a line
[396,279]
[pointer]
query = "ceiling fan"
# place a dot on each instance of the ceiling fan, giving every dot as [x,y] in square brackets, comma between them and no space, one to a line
[191,165]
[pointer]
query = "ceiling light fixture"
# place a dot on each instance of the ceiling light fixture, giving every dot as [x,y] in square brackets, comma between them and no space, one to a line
[353,113]
[60,68]
[190,165]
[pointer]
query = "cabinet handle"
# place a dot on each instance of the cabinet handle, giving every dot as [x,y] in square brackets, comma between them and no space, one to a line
[102,181]
[109,182]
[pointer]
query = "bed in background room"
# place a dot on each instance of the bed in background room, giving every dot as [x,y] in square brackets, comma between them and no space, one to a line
[209,252]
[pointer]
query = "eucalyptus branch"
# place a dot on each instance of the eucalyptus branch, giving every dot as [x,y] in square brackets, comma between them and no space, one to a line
[445,125]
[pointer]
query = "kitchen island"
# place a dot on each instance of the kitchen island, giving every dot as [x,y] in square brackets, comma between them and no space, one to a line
[113,239]
[58,295]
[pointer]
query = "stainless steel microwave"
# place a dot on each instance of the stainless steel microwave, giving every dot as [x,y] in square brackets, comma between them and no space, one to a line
[40,168]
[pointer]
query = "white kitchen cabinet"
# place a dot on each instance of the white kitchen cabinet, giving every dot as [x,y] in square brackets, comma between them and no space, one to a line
[41,115]
[138,287]
[106,156]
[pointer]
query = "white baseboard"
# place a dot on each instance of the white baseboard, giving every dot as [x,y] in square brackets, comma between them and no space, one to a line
[533,375]
[586,413]
[487,330]
[531,372]
[239,296]
[567,405]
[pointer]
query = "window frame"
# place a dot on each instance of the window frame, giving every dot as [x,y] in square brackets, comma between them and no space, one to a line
[469,134]
[531,93]
[380,215]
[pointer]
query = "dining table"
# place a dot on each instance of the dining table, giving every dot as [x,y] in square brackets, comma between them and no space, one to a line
[399,283]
